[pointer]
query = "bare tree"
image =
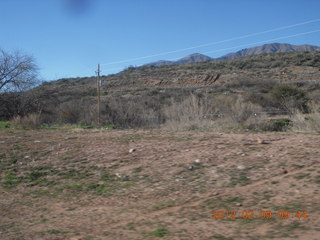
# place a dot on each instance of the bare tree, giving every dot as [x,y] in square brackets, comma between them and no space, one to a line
[18,72]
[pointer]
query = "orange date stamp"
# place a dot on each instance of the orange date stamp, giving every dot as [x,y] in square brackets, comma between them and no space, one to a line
[263,214]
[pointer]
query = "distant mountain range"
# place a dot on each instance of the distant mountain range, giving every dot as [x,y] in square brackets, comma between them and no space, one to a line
[266,48]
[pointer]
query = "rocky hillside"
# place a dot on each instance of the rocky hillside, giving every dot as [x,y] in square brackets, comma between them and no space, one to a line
[284,67]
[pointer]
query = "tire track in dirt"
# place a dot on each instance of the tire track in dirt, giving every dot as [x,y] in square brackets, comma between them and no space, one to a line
[198,202]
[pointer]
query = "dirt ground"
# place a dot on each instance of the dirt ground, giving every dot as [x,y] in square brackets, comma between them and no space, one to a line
[129,184]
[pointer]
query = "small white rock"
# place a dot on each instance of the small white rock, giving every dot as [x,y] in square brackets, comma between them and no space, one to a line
[241,167]
[261,141]
[197,160]
[132,150]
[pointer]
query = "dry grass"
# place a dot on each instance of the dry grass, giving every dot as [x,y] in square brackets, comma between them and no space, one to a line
[189,114]
[217,113]
[30,121]
[307,122]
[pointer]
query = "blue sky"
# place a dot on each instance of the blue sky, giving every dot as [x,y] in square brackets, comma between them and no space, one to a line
[68,38]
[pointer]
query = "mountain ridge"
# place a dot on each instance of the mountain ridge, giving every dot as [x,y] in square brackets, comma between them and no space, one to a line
[266,48]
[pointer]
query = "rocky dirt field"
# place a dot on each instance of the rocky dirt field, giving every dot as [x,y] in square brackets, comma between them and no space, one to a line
[130,184]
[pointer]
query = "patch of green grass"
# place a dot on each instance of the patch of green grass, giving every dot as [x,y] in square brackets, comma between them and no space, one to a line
[279,125]
[301,176]
[110,127]
[54,231]
[96,188]
[88,238]
[137,170]
[197,165]
[108,177]
[74,174]
[100,189]
[317,180]
[75,186]
[241,179]
[221,237]
[294,225]
[293,207]
[11,180]
[41,168]
[16,147]
[13,159]
[5,124]
[43,219]
[159,232]
[267,195]
[35,175]
[163,205]
[71,209]
[85,126]
[298,166]
[131,226]
[42,193]
[234,199]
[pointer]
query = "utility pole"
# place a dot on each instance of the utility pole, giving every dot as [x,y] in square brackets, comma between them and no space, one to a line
[98,93]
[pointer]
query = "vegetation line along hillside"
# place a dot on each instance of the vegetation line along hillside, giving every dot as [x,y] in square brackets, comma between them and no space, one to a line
[276,91]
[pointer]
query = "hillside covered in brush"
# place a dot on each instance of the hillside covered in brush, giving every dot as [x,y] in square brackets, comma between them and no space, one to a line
[155,96]
[293,66]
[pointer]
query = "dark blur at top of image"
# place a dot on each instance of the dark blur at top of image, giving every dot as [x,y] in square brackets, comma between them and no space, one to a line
[78,7]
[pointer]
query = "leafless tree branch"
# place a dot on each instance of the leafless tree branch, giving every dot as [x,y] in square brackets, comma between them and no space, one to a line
[18,72]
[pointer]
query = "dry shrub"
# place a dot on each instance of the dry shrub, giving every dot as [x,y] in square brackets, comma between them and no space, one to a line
[70,112]
[189,114]
[241,111]
[218,112]
[30,121]
[307,122]
[137,111]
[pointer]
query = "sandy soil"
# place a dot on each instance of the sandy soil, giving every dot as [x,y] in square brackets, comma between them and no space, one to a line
[87,184]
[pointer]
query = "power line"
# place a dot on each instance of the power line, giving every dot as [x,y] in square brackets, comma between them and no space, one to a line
[243,45]
[254,43]
[215,43]
[238,46]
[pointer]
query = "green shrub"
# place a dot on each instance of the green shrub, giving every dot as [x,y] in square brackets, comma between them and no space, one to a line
[85,126]
[279,125]
[110,127]
[11,180]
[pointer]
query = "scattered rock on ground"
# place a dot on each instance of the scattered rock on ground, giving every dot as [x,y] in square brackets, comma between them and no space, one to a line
[132,150]
[241,167]
[261,141]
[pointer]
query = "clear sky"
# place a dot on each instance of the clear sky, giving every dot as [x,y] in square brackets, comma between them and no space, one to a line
[68,38]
